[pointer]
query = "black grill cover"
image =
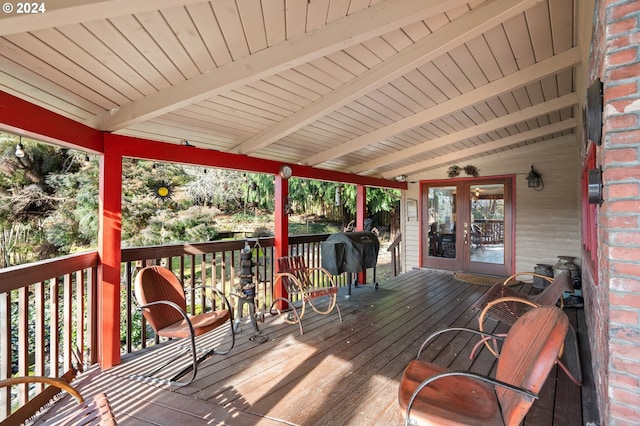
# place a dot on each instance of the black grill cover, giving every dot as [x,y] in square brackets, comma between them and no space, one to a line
[350,252]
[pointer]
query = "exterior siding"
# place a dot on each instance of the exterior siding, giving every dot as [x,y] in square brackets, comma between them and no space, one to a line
[547,222]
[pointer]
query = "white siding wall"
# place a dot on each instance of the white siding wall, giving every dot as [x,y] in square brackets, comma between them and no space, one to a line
[547,222]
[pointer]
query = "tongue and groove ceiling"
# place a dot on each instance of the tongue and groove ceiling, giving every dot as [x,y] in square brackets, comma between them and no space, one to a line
[378,88]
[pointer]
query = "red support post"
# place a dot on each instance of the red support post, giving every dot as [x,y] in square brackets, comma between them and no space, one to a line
[361,214]
[361,206]
[109,242]
[281,229]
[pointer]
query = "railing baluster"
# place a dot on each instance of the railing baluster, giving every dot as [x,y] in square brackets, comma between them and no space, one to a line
[5,352]
[23,341]
[80,314]
[128,283]
[68,316]
[92,287]
[40,340]
[203,293]
[53,327]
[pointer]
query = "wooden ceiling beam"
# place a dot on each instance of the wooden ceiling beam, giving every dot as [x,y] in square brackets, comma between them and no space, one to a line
[489,146]
[65,12]
[454,34]
[480,129]
[535,72]
[340,34]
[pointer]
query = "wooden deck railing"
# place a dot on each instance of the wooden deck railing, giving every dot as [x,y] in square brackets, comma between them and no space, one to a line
[48,312]
[49,308]
[394,248]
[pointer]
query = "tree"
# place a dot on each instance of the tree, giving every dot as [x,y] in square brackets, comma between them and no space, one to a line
[27,198]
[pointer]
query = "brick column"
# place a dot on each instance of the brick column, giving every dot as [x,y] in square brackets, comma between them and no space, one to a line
[615,305]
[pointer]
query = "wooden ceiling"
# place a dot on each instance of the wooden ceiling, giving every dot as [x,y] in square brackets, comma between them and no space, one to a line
[378,88]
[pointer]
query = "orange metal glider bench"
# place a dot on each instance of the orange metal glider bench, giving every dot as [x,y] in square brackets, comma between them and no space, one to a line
[432,394]
[504,304]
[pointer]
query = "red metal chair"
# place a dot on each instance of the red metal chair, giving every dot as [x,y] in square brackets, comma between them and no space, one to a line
[163,303]
[431,394]
[314,286]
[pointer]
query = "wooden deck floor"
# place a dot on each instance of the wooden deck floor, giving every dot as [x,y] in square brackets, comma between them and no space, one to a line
[337,373]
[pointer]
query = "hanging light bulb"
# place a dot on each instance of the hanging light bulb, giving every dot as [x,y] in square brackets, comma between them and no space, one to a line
[19,149]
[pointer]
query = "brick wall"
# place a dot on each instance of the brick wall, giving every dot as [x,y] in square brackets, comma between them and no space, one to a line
[613,299]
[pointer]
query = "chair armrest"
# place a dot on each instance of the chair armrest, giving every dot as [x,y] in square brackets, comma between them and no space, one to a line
[425,383]
[214,290]
[504,317]
[225,300]
[532,274]
[438,333]
[59,383]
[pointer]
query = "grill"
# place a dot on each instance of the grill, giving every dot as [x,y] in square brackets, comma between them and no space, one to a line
[351,252]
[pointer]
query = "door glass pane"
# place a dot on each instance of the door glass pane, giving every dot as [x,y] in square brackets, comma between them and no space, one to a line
[487,223]
[442,221]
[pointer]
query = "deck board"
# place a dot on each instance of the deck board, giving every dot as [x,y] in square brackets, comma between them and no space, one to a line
[336,373]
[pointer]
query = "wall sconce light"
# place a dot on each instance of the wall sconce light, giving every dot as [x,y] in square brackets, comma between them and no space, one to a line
[534,180]
[19,149]
[401,178]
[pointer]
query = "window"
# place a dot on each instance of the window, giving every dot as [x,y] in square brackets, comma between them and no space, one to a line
[589,215]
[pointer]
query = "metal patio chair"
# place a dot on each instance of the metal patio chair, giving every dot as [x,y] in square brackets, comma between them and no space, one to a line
[313,286]
[432,394]
[504,304]
[161,297]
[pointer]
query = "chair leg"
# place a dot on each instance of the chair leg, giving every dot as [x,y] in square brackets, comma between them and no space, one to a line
[574,344]
[174,381]
[297,317]
[192,367]
[332,298]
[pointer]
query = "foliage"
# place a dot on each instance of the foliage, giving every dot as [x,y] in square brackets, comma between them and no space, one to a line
[229,190]
[27,198]
[49,202]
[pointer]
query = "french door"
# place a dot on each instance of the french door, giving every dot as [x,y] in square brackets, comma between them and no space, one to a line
[468,225]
